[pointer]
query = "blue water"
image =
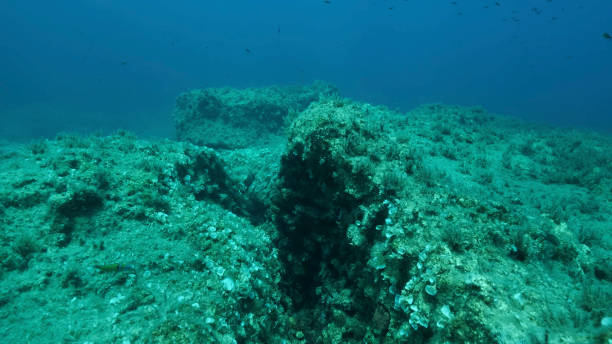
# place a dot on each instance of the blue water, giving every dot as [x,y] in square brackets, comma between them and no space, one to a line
[101,65]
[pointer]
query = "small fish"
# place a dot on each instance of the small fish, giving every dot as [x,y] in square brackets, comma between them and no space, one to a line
[327,2]
[115,267]
[606,35]
[247,50]
[123,63]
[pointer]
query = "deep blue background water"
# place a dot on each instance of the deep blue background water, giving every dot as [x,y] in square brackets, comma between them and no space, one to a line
[87,65]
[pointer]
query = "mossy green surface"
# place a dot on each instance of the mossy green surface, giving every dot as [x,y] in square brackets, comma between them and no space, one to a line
[355,224]
[460,245]
[198,272]
[228,118]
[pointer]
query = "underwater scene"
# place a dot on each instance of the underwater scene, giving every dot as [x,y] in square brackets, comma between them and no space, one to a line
[324,171]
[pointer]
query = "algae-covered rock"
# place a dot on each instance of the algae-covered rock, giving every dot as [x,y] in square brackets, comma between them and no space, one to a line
[333,183]
[133,241]
[231,118]
[398,217]
[356,224]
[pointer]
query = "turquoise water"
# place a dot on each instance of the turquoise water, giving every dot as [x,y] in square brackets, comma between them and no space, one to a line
[101,64]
